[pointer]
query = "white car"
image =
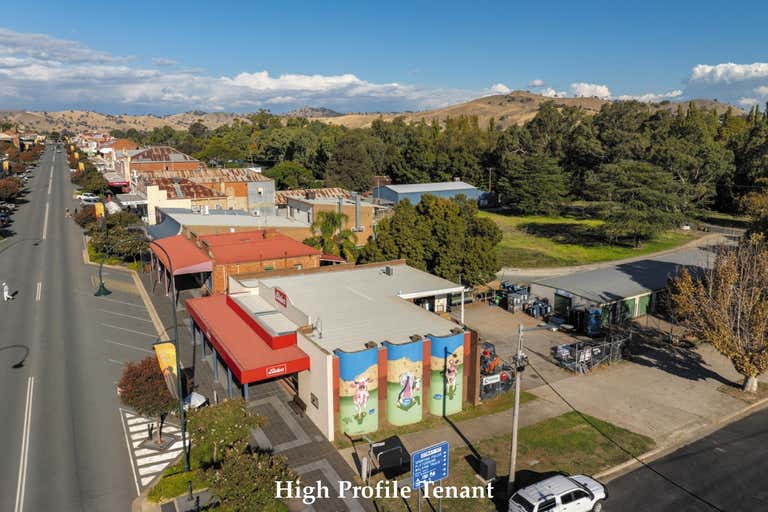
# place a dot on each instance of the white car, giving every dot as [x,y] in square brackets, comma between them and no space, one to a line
[87,195]
[85,201]
[560,493]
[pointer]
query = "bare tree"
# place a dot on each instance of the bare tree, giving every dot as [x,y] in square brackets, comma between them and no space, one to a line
[728,306]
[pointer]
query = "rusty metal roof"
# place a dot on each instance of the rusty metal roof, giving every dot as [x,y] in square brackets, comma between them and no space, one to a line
[281,196]
[161,154]
[212,175]
[180,188]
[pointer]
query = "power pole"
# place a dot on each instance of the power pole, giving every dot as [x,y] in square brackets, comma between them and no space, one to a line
[520,361]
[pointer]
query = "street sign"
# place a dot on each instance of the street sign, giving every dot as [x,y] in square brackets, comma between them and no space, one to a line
[429,464]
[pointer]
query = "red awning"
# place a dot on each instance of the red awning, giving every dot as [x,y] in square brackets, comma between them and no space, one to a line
[186,257]
[249,357]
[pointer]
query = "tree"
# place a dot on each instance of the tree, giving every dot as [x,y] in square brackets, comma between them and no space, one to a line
[143,388]
[290,175]
[531,184]
[9,188]
[330,235]
[246,480]
[728,306]
[221,426]
[351,165]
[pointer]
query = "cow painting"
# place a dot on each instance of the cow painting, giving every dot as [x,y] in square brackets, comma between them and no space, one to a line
[360,398]
[451,372]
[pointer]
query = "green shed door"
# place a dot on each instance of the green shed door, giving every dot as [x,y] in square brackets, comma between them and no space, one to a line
[644,306]
[562,306]
[627,308]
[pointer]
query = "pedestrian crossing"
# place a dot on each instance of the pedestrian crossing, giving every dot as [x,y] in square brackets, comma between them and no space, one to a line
[147,463]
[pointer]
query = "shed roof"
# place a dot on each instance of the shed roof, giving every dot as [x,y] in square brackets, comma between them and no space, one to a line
[629,279]
[430,187]
[355,305]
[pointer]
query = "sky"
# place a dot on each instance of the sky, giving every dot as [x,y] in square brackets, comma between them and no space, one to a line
[166,56]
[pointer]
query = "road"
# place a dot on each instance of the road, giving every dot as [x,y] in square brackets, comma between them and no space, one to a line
[64,444]
[727,468]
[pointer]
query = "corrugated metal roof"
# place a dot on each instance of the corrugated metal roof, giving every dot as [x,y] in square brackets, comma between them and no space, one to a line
[281,196]
[430,187]
[230,218]
[180,188]
[254,246]
[160,154]
[211,175]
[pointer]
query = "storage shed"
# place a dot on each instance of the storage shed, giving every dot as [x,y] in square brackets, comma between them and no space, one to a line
[396,193]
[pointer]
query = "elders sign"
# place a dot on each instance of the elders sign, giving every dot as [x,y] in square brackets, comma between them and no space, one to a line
[281,298]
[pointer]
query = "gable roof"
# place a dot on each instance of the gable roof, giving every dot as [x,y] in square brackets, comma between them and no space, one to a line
[430,187]
[160,154]
[281,196]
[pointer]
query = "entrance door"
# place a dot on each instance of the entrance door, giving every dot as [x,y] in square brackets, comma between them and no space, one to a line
[562,306]
[293,382]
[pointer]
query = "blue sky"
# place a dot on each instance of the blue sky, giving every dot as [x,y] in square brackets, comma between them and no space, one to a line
[166,57]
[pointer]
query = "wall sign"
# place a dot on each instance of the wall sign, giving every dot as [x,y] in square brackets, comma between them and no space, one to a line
[281,298]
[273,371]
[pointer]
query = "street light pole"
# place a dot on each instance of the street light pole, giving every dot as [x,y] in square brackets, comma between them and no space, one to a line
[182,412]
[102,290]
[520,361]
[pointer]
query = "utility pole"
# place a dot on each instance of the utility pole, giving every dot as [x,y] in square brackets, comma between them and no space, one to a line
[520,361]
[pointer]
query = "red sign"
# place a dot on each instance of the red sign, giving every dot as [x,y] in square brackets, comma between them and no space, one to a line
[276,370]
[281,298]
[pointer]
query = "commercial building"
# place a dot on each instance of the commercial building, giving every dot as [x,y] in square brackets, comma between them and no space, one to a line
[623,291]
[396,193]
[363,347]
[177,193]
[212,259]
[114,149]
[281,196]
[207,221]
[360,215]
[153,159]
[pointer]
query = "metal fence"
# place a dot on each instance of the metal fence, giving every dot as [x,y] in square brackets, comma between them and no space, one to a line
[583,356]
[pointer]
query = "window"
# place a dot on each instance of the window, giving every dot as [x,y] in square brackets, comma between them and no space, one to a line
[549,504]
[527,505]
[573,496]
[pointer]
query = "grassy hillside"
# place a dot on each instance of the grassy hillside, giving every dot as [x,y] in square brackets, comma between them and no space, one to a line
[538,241]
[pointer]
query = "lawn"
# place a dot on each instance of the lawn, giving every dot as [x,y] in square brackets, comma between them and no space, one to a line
[539,241]
[562,444]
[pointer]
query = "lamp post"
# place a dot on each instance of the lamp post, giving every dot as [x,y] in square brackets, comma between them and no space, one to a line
[102,290]
[182,412]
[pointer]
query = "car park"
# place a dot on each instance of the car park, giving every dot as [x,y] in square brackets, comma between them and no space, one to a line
[560,493]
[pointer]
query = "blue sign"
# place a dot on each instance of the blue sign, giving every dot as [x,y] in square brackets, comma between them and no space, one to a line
[429,464]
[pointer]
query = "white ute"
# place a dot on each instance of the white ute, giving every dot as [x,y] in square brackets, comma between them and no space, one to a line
[560,493]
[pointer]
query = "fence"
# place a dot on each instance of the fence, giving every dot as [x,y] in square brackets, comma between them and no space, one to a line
[583,356]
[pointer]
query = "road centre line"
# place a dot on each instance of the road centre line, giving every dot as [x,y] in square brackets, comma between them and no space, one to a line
[39,291]
[50,182]
[22,482]
[128,346]
[123,314]
[45,220]
[129,330]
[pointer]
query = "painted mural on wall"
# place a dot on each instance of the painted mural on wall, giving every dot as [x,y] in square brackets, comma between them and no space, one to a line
[446,374]
[404,375]
[358,391]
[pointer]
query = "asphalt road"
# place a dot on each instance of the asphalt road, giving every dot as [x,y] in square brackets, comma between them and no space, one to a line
[729,469]
[64,439]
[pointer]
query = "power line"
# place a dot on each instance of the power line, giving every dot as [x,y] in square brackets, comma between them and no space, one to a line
[620,447]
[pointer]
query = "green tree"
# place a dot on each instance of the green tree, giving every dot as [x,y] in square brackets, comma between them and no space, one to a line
[531,184]
[216,428]
[332,237]
[290,175]
[351,165]
[143,388]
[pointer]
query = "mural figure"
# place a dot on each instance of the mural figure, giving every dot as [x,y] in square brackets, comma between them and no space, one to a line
[361,398]
[450,376]
[408,386]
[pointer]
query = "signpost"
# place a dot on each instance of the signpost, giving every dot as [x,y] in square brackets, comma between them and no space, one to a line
[429,465]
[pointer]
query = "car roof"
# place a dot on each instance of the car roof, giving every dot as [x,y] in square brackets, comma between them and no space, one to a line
[553,486]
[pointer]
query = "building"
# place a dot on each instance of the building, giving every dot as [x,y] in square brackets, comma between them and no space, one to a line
[111,150]
[396,193]
[206,221]
[623,291]
[281,196]
[213,259]
[362,347]
[177,193]
[361,215]
[153,159]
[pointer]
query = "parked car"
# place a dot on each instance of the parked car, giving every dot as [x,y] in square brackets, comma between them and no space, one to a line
[87,195]
[560,493]
[85,201]
[5,219]
[7,207]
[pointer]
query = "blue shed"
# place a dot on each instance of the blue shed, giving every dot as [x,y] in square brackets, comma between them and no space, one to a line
[413,192]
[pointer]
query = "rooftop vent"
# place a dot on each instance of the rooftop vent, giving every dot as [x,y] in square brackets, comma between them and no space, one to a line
[389,270]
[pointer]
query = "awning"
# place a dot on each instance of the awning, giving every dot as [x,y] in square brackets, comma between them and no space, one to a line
[186,257]
[247,354]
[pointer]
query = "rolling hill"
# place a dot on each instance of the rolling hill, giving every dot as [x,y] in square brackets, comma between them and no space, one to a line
[516,107]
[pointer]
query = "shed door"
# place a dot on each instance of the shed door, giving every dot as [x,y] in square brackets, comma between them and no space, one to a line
[644,306]
[562,306]
[627,309]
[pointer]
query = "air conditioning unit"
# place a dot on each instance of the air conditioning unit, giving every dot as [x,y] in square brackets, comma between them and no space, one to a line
[389,270]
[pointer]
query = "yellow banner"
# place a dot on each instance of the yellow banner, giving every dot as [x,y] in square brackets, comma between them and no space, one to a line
[77,155]
[80,166]
[166,358]
[98,209]
[5,165]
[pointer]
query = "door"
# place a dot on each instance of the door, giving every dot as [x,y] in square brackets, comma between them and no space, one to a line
[627,309]
[644,305]
[562,305]
[575,501]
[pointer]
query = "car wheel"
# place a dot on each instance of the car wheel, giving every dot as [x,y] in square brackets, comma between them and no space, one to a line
[598,506]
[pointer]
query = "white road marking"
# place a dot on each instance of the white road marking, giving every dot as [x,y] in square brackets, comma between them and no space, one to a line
[123,314]
[45,221]
[115,361]
[50,182]
[22,482]
[129,330]
[146,463]
[129,346]
[39,291]
[159,457]
[123,302]
[128,445]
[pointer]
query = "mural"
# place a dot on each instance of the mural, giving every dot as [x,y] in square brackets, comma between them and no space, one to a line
[358,391]
[404,374]
[446,374]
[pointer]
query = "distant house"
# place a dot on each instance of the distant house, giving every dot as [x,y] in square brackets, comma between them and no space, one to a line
[413,192]
[361,215]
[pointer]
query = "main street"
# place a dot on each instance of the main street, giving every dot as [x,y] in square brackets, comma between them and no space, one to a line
[64,441]
[727,469]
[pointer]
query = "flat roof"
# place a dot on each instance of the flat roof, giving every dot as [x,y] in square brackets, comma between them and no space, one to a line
[254,246]
[430,187]
[629,279]
[351,306]
[233,218]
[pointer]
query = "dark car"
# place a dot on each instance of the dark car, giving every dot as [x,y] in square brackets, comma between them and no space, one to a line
[5,219]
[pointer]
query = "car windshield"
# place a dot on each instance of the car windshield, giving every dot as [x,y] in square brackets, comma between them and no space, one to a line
[524,503]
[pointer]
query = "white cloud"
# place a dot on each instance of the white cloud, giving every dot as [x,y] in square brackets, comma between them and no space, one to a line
[536,83]
[762,90]
[748,102]
[162,61]
[587,90]
[549,92]
[728,72]
[653,97]
[500,89]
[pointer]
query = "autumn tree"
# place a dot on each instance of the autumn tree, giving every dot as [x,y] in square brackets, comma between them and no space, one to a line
[221,426]
[727,306]
[9,188]
[246,480]
[143,389]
